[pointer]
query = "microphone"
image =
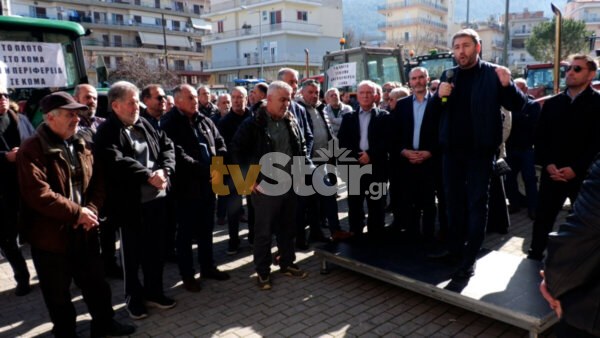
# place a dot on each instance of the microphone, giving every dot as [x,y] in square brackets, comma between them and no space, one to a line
[449,76]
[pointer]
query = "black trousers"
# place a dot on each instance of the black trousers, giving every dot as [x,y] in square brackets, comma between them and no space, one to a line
[142,245]
[83,265]
[416,205]
[551,198]
[8,240]
[375,206]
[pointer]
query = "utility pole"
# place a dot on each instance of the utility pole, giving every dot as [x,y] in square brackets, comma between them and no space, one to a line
[506,36]
[468,5]
[164,23]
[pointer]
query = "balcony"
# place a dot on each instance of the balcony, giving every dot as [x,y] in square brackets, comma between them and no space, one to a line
[253,31]
[413,22]
[521,33]
[130,4]
[253,60]
[409,3]
[237,4]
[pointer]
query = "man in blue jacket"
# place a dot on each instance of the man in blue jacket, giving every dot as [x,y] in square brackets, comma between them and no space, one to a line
[469,99]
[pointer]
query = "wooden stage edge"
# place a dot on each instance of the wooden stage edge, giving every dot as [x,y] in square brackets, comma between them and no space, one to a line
[504,288]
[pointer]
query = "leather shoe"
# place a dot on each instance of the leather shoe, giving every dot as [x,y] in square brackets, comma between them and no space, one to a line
[215,274]
[191,284]
[465,272]
[22,289]
[111,329]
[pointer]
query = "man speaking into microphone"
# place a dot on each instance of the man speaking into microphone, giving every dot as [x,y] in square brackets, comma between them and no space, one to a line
[468,100]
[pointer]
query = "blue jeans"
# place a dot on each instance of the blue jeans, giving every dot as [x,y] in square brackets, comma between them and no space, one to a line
[466,184]
[521,161]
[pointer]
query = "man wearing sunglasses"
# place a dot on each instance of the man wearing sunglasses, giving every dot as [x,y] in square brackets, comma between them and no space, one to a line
[567,141]
[153,96]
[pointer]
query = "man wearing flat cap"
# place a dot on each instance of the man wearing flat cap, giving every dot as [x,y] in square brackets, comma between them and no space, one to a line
[61,198]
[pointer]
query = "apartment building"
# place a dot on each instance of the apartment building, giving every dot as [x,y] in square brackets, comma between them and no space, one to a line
[255,38]
[166,33]
[419,25]
[587,11]
[520,28]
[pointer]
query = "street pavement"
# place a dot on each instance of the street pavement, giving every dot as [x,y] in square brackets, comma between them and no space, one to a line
[339,304]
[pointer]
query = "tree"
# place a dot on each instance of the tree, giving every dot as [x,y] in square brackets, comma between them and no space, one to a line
[541,44]
[137,71]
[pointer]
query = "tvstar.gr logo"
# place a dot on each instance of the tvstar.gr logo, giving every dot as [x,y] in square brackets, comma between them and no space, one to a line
[277,173]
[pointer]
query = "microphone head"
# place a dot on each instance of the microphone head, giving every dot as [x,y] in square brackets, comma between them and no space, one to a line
[449,74]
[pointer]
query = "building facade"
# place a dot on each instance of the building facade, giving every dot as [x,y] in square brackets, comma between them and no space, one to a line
[419,25]
[587,11]
[165,33]
[520,28]
[255,38]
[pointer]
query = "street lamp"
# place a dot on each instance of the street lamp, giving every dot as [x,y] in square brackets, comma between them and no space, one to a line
[260,38]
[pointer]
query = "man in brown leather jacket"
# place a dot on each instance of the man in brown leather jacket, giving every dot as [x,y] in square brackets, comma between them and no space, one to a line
[61,198]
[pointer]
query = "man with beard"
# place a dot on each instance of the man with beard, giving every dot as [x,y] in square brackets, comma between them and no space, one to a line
[468,100]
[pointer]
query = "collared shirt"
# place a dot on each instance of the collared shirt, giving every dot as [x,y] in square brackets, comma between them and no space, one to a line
[364,118]
[418,113]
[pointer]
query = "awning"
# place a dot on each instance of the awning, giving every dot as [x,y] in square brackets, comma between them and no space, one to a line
[201,24]
[158,39]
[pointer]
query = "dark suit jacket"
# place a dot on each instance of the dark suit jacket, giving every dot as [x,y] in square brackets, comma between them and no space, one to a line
[302,120]
[402,124]
[349,138]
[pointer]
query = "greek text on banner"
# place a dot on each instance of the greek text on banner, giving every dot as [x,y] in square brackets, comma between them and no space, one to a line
[342,75]
[32,65]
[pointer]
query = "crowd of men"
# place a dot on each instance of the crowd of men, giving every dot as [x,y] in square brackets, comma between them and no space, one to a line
[150,175]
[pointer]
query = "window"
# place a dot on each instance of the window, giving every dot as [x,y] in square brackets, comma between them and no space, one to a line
[137,19]
[156,3]
[107,62]
[179,64]
[198,9]
[193,79]
[406,36]
[199,47]
[158,22]
[220,26]
[118,19]
[275,17]
[179,6]
[302,15]
[40,12]
[118,41]
[183,79]
[137,2]
[176,25]
[105,40]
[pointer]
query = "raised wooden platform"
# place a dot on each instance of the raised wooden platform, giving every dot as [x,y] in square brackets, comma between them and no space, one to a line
[505,287]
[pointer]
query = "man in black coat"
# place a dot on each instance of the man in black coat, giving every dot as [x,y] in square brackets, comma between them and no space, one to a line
[272,133]
[469,102]
[571,281]
[361,133]
[137,161]
[197,141]
[415,143]
[14,129]
[566,143]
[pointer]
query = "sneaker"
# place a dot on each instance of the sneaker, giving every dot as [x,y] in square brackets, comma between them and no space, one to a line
[215,274]
[112,329]
[264,282]
[294,271]
[136,309]
[161,302]
[191,284]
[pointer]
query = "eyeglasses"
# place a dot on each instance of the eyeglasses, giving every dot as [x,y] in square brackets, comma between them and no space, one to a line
[433,88]
[575,68]
[161,97]
[3,96]
[387,90]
